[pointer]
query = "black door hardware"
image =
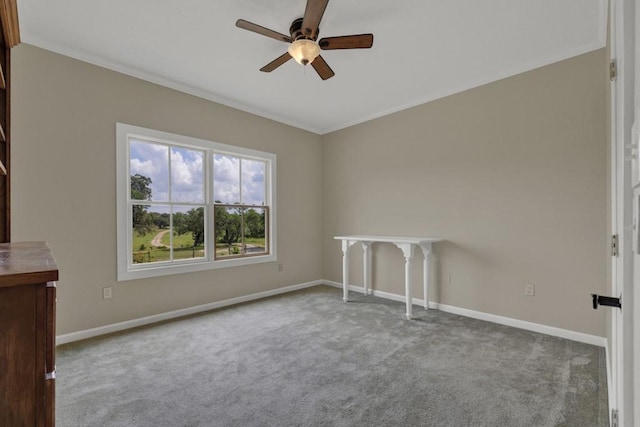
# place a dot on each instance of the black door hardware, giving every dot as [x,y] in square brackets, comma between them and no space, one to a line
[608,301]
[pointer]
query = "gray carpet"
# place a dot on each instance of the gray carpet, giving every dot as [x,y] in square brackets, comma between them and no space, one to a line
[307,359]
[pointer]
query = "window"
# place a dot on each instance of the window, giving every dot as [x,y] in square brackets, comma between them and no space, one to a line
[186,204]
[240,212]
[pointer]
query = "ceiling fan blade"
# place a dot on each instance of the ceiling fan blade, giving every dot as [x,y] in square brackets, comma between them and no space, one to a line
[356,41]
[312,17]
[276,63]
[322,68]
[250,26]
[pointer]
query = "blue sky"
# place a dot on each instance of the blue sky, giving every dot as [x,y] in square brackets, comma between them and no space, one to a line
[187,175]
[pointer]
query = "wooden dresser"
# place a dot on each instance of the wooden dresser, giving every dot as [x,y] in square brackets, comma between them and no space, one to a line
[27,334]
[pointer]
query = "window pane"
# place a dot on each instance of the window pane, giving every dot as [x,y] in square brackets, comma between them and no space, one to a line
[255,224]
[253,182]
[187,184]
[149,170]
[226,179]
[228,231]
[150,233]
[188,232]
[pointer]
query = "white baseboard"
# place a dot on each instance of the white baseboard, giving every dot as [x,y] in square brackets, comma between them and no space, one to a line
[516,323]
[508,321]
[523,324]
[380,294]
[116,327]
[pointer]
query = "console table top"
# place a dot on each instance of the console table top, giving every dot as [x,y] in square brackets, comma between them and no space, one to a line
[390,239]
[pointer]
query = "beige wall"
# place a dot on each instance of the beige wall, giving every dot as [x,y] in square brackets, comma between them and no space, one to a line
[512,174]
[63,155]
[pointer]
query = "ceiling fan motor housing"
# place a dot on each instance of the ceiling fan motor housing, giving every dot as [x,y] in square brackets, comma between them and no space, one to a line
[297,33]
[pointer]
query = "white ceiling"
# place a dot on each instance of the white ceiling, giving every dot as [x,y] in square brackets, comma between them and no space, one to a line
[422,50]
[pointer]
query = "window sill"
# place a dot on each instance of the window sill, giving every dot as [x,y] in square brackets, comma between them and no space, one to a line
[189,267]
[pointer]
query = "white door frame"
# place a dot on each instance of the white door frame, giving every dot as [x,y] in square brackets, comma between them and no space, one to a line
[635,297]
[623,367]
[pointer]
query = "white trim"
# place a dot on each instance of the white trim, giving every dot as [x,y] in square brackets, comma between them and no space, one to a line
[188,266]
[128,271]
[471,84]
[622,108]
[507,321]
[523,324]
[610,391]
[121,326]
[616,268]
[616,215]
[159,80]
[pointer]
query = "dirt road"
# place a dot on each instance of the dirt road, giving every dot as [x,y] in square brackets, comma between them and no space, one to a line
[157,240]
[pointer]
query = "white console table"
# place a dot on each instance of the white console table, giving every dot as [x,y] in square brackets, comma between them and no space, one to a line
[406,245]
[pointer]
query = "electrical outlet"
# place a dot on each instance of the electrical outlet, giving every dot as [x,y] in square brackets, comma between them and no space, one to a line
[280,268]
[106,292]
[529,289]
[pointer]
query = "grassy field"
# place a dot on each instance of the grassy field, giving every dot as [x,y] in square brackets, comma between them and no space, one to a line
[182,247]
[179,241]
[222,250]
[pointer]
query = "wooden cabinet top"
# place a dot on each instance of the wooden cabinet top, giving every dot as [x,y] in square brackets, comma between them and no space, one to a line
[25,263]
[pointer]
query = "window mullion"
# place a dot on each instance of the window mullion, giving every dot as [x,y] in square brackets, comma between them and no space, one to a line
[243,246]
[170,200]
[171,212]
[209,211]
[240,180]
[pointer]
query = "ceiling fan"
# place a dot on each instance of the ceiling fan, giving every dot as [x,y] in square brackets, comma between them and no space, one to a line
[303,44]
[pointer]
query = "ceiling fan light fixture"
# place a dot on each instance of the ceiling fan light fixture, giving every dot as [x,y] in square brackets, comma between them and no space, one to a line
[304,51]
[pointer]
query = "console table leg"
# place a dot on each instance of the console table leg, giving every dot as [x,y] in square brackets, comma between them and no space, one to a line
[345,275]
[426,251]
[407,251]
[426,276]
[346,244]
[366,247]
[407,287]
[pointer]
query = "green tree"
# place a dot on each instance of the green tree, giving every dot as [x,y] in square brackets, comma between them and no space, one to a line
[160,220]
[228,225]
[254,224]
[141,190]
[180,223]
[193,222]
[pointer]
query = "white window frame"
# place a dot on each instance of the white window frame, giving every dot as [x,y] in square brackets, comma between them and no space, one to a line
[127,270]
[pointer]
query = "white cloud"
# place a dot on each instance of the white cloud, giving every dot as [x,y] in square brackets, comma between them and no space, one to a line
[227,180]
[253,186]
[151,160]
[226,173]
[186,175]
[140,167]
